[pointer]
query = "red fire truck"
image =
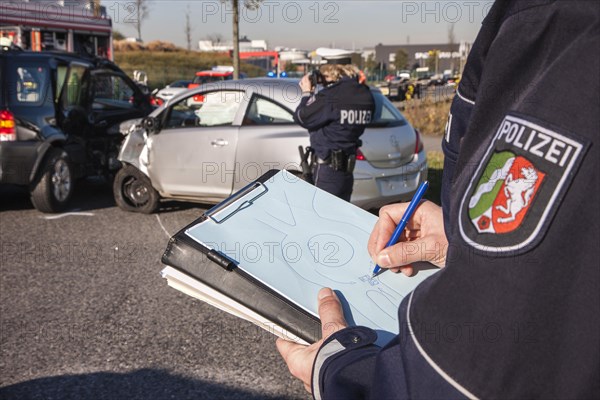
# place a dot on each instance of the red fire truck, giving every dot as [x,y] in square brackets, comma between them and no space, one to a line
[46,25]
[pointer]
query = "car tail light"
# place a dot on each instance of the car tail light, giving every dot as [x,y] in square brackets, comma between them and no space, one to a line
[199,98]
[419,142]
[156,101]
[7,126]
[360,156]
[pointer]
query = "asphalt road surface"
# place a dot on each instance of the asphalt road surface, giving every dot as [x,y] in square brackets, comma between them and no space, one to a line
[84,313]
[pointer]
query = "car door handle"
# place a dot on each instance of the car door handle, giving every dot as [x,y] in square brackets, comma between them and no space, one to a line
[219,143]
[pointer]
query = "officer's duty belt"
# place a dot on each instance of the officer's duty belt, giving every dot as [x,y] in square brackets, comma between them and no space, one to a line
[338,160]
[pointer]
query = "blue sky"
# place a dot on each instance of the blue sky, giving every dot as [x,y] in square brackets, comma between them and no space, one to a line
[309,24]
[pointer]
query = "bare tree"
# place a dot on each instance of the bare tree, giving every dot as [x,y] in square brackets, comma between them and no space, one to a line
[143,9]
[451,35]
[236,39]
[215,38]
[252,5]
[188,28]
[451,43]
[95,5]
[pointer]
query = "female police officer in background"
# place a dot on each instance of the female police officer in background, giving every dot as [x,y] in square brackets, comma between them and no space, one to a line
[335,116]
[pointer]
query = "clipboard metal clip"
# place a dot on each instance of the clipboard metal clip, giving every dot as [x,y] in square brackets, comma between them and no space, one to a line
[219,208]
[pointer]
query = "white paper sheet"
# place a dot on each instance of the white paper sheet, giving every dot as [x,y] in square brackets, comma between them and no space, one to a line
[194,288]
[297,239]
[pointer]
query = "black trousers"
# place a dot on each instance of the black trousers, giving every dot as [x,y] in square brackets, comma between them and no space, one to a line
[337,183]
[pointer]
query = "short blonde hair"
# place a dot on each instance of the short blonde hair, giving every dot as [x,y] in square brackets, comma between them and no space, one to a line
[351,70]
[335,72]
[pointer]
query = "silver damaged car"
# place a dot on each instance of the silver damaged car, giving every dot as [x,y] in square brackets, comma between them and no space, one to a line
[208,142]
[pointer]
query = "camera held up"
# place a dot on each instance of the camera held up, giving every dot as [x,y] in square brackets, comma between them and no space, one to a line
[316,77]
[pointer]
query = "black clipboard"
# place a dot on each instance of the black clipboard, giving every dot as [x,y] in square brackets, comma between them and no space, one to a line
[280,209]
[223,275]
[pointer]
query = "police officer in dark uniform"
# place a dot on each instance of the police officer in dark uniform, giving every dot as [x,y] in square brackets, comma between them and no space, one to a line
[335,116]
[515,311]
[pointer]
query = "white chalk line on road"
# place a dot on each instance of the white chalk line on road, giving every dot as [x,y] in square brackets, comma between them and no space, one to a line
[162,226]
[74,213]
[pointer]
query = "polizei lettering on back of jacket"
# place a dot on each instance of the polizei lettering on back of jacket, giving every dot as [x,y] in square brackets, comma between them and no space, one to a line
[355,117]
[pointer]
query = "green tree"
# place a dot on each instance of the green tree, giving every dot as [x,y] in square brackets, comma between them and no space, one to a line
[118,35]
[401,61]
[432,60]
[290,67]
[370,63]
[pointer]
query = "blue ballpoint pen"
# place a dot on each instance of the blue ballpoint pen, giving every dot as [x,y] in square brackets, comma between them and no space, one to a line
[404,220]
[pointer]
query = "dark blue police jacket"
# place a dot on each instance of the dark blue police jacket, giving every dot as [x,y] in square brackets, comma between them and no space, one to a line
[515,313]
[336,116]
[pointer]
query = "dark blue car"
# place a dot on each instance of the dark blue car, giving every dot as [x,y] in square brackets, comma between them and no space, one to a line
[59,118]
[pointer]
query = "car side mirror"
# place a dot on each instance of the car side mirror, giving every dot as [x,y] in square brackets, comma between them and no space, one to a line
[151,125]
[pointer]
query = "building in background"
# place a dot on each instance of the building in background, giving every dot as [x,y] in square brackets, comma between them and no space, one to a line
[77,26]
[246,45]
[438,57]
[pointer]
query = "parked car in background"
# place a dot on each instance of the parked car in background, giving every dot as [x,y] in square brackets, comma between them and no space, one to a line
[207,143]
[437,80]
[203,77]
[403,88]
[59,119]
[217,74]
[169,91]
[384,88]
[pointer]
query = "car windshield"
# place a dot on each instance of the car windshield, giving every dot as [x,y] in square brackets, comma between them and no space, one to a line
[179,84]
[112,92]
[386,115]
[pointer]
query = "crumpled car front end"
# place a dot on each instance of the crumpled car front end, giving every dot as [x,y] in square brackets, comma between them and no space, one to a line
[133,150]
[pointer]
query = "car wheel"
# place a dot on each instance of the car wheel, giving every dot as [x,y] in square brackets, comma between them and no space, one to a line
[53,186]
[133,191]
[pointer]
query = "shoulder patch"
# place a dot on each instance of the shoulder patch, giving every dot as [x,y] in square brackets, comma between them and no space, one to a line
[518,185]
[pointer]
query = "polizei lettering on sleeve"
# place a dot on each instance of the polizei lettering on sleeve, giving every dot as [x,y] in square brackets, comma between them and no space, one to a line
[355,117]
[543,145]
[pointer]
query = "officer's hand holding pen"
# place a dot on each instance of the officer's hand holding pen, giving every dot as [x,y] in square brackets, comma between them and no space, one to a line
[424,238]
